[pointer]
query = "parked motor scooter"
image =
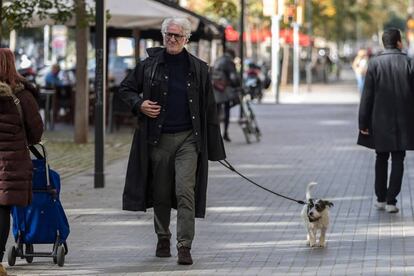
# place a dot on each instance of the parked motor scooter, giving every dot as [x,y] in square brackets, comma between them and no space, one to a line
[253,82]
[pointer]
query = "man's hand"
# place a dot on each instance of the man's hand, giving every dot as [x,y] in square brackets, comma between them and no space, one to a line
[364,131]
[151,109]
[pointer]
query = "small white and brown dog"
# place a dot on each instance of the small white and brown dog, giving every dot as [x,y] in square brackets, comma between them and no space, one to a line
[315,215]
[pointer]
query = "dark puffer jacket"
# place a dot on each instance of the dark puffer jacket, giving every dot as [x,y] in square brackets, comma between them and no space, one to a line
[15,163]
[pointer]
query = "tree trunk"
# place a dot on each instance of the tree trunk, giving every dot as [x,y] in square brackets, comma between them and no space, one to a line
[285,64]
[1,20]
[137,37]
[82,83]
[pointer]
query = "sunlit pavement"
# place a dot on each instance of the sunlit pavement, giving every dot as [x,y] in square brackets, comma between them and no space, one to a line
[248,231]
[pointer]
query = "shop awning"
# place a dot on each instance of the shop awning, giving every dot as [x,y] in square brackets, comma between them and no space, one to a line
[147,16]
[286,36]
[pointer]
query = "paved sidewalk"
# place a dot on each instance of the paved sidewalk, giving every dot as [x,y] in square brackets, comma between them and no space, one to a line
[343,91]
[71,159]
[248,231]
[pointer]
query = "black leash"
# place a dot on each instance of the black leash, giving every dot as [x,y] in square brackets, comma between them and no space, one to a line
[226,164]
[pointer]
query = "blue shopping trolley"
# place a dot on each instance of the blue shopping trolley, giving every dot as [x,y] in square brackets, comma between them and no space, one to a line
[44,220]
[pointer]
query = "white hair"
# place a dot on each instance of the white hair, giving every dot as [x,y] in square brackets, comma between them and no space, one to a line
[183,22]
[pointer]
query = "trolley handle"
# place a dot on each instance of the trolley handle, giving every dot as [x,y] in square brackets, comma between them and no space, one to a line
[42,155]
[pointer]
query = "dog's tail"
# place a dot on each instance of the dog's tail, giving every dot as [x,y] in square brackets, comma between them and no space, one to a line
[308,190]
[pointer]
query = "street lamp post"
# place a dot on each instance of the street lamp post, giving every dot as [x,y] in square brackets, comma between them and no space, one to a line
[241,41]
[100,90]
[310,34]
[275,9]
[276,55]
[296,24]
[296,58]
[410,28]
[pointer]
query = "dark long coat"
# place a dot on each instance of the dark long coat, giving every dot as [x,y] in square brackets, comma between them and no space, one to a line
[387,103]
[15,162]
[149,80]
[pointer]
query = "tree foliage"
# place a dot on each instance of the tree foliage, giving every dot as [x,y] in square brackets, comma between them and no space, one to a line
[340,20]
[19,14]
[229,10]
[255,13]
[335,20]
[218,9]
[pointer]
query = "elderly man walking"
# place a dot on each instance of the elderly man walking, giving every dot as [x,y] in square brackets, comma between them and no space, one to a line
[178,132]
[386,116]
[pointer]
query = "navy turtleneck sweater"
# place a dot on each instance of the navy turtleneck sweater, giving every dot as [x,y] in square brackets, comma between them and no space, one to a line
[178,113]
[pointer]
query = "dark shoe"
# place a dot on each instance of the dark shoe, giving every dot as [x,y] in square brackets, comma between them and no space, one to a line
[226,137]
[184,256]
[163,248]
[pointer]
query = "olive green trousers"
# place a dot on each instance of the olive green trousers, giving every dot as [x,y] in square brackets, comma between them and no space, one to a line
[174,164]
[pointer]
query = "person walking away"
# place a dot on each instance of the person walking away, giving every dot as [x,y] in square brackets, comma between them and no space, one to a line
[178,132]
[15,162]
[225,84]
[386,116]
[360,65]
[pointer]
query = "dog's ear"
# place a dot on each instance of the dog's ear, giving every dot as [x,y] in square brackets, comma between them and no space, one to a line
[310,201]
[328,203]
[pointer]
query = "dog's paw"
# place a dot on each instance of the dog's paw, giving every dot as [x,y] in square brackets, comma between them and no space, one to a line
[322,244]
[313,244]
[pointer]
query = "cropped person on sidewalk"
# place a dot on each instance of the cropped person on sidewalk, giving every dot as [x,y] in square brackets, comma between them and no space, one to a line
[225,84]
[386,116]
[15,163]
[360,65]
[178,132]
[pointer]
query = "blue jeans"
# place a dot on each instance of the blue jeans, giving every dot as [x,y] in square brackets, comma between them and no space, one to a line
[360,82]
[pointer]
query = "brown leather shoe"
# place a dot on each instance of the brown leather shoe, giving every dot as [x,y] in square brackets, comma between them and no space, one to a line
[184,256]
[163,248]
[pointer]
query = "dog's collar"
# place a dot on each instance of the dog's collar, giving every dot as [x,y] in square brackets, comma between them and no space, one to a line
[313,219]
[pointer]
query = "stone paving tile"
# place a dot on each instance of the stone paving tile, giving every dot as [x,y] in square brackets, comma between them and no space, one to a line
[248,231]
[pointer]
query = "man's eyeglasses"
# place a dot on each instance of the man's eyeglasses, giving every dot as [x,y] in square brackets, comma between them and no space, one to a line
[176,36]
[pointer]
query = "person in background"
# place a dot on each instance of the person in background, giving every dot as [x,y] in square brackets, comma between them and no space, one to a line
[386,116]
[360,66]
[178,132]
[52,79]
[15,162]
[225,84]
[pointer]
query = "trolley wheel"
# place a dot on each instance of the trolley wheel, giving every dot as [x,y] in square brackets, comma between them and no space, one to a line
[60,255]
[11,256]
[29,250]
